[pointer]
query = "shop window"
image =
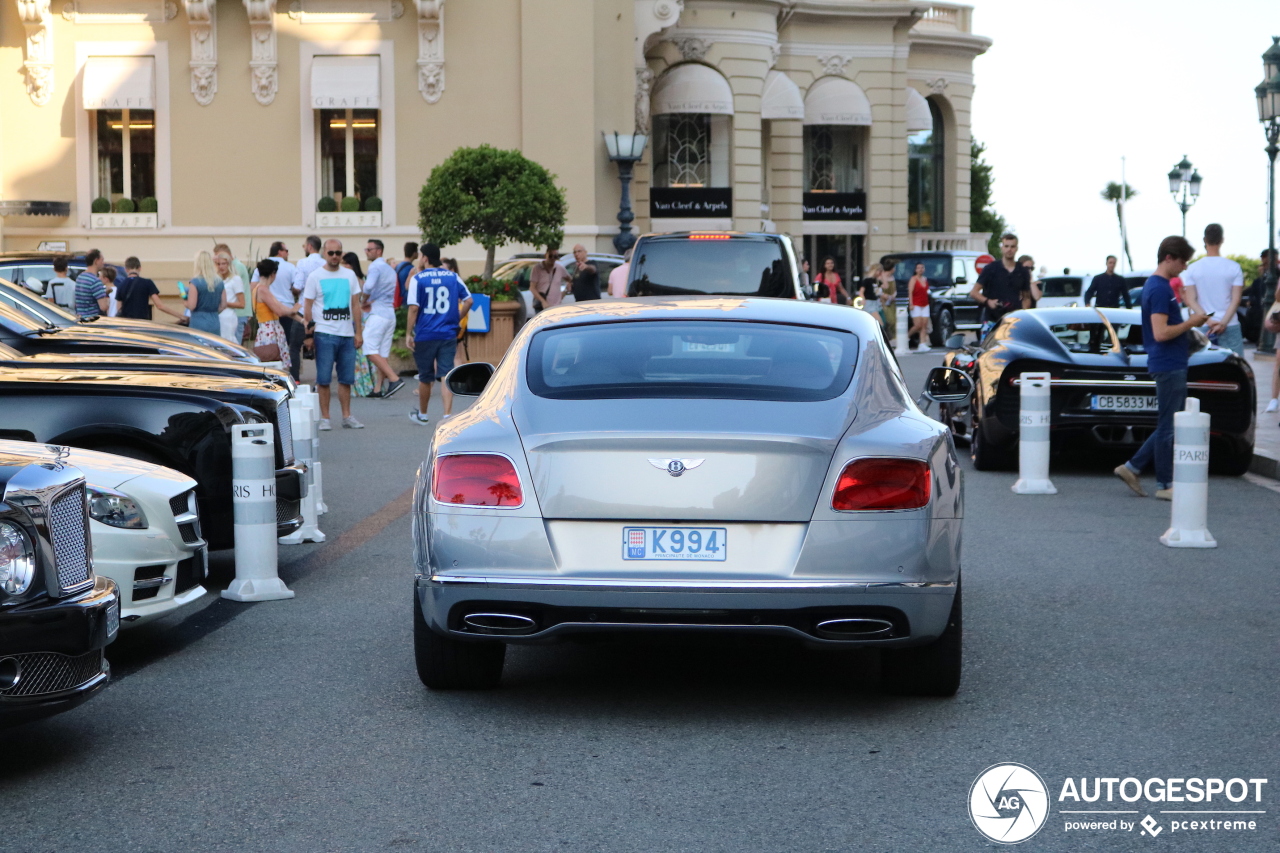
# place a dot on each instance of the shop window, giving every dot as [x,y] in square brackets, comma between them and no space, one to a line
[348,153]
[925,175]
[832,158]
[691,150]
[125,161]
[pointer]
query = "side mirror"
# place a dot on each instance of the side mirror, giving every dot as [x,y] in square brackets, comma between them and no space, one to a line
[961,280]
[948,385]
[35,285]
[956,341]
[469,380]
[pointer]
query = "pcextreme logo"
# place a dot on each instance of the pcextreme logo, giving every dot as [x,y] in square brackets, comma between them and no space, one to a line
[1009,803]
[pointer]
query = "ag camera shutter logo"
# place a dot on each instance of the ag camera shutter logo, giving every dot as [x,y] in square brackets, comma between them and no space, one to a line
[1008,803]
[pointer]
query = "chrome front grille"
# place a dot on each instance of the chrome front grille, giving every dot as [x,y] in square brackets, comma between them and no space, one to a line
[287,510]
[189,533]
[70,540]
[50,672]
[180,504]
[285,428]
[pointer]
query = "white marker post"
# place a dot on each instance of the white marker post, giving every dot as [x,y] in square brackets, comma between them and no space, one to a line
[317,481]
[253,478]
[1033,436]
[901,345]
[1190,512]
[301,419]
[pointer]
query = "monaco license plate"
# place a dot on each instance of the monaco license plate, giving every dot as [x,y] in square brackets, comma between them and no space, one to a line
[1124,403]
[674,543]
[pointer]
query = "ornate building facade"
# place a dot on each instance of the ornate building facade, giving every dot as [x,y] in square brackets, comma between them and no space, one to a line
[155,127]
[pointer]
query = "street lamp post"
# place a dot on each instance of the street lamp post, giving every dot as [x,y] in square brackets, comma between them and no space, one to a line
[1184,186]
[625,150]
[1268,94]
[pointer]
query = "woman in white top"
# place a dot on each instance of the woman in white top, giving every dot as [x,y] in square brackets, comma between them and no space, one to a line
[228,319]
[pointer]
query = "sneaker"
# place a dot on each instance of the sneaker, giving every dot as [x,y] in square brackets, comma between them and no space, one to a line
[351,423]
[1130,480]
[445,417]
[1274,405]
[1164,494]
[419,418]
[922,348]
[393,388]
[325,426]
[375,395]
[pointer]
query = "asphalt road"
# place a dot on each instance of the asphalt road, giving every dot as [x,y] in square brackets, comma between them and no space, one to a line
[1091,651]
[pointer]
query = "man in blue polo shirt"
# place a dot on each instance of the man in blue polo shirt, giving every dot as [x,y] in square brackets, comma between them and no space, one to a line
[438,300]
[1167,340]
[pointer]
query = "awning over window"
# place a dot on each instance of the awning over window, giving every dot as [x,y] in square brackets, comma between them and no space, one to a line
[835,100]
[119,83]
[919,117]
[781,97]
[346,82]
[692,88]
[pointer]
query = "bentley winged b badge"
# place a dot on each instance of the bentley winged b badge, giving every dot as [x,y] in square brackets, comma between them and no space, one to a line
[676,467]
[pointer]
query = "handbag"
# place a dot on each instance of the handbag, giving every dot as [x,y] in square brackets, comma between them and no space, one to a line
[267,352]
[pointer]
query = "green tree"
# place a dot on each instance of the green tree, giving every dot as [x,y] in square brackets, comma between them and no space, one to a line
[493,196]
[1113,193]
[982,216]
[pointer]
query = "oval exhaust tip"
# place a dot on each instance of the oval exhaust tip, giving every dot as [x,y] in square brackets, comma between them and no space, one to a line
[854,628]
[10,673]
[499,623]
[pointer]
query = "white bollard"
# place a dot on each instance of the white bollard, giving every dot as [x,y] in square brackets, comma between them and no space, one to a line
[1190,512]
[253,473]
[313,400]
[1033,437]
[300,418]
[901,345]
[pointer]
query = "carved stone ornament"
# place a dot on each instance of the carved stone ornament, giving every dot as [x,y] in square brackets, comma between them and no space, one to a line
[38,65]
[775,51]
[937,85]
[263,78]
[204,49]
[644,85]
[430,49]
[397,10]
[834,63]
[692,49]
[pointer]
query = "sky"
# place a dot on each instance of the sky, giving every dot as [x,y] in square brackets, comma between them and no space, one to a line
[1070,87]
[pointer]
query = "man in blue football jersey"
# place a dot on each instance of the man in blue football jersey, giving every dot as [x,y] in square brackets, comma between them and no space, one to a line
[437,300]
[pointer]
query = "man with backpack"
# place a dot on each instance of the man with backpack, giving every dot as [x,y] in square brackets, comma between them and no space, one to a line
[437,300]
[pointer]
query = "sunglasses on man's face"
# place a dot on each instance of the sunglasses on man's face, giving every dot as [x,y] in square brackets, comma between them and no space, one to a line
[336,254]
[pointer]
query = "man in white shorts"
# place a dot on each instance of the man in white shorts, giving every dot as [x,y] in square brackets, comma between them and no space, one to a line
[379,298]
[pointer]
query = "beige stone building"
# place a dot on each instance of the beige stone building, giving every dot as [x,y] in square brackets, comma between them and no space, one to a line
[844,123]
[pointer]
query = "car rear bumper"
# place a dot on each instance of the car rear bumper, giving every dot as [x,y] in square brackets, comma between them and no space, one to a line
[57,646]
[916,613]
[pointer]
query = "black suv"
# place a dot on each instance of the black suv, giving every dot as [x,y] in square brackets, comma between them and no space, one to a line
[56,616]
[721,263]
[951,276]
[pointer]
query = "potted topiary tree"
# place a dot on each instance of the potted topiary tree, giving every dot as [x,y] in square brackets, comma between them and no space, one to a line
[326,204]
[149,205]
[124,205]
[373,203]
[350,204]
[100,205]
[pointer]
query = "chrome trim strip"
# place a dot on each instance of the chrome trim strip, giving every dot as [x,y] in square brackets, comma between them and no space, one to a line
[1135,383]
[151,583]
[186,518]
[666,583]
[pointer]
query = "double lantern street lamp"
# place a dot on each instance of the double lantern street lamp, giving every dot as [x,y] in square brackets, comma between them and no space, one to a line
[625,149]
[1184,186]
[1268,93]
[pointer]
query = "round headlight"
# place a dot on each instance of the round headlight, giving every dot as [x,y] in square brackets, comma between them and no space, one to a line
[115,508]
[17,559]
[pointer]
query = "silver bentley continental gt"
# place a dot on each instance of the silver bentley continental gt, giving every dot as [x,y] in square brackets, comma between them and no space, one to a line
[698,464]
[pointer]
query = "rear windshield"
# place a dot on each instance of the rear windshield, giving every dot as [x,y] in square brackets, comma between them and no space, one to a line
[1095,338]
[734,266]
[1061,286]
[691,359]
[936,270]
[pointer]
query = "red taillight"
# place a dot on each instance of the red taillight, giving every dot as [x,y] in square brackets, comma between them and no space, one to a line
[476,480]
[883,484]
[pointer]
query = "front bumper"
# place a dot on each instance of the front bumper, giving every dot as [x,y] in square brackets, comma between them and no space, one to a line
[561,606]
[57,646]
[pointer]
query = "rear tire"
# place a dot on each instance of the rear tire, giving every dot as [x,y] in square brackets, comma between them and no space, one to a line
[943,328]
[932,670]
[448,664]
[1232,464]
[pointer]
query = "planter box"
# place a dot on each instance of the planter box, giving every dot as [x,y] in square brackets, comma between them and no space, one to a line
[124,220]
[492,345]
[357,219]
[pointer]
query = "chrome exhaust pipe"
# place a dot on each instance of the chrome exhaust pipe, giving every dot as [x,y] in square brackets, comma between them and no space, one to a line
[508,624]
[854,628]
[10,673]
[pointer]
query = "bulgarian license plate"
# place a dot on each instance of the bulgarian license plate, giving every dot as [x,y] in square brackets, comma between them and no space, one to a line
[674,543]
[1124,403]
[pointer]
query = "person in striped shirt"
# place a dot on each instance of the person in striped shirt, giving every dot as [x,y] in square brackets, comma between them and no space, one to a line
[91,293]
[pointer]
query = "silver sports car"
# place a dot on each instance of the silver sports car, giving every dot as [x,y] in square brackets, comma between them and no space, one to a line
[717,464]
